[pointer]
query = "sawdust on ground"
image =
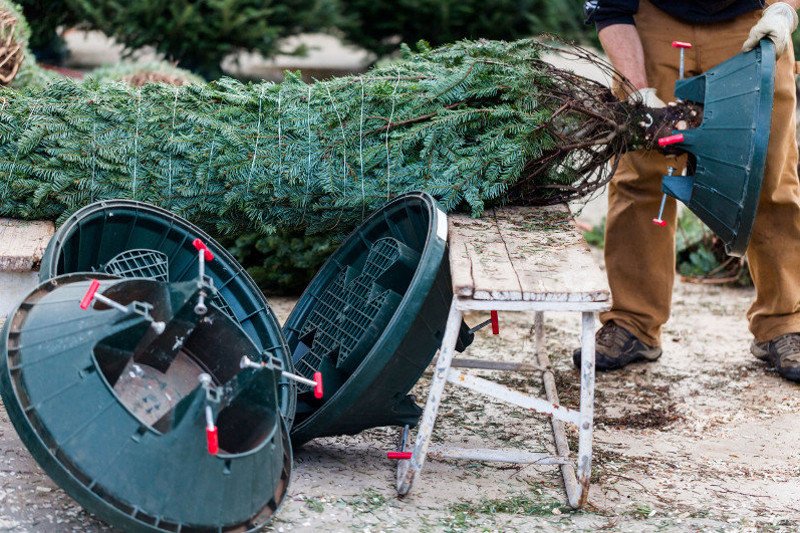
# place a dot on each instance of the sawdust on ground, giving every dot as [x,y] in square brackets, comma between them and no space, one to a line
[706,438]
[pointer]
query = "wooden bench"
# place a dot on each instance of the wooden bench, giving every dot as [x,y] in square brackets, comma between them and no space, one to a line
[528,260]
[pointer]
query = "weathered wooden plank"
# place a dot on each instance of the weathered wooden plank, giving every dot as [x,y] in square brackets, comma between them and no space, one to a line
[479,261]
[22,244]
[550,255]
[524,253]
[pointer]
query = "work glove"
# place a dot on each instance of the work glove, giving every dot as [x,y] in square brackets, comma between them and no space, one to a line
[776,23]
[647,97]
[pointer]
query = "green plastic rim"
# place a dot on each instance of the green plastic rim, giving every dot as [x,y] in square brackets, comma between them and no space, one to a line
[62,392]
[372,319]
[131,239]
[728,151]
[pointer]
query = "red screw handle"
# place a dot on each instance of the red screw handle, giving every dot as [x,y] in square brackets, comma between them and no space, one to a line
[212,440]
[318,393]
[398,455]
[670,139]
[495,322]
[86,301]
[200,245]
[681,44]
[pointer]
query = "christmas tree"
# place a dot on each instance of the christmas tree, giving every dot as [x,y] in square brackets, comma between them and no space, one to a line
[473,123]
[138,74]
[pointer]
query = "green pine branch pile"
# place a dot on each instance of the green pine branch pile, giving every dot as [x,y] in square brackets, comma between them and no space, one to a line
[472,123]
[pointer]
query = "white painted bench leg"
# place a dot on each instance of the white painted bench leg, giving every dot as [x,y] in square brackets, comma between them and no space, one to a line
[408,469]
[586,424]
[559,432]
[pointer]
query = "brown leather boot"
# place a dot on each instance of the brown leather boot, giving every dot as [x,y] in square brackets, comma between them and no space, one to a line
[615,347]
[781,352]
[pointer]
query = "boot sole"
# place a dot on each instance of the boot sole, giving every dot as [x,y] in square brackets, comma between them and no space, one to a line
[603,363]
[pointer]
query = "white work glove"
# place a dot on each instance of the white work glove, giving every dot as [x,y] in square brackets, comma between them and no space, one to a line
[646,97]
[777,23]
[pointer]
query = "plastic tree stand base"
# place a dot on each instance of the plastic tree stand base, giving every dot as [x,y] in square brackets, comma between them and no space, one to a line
[728,151]
[135,239]
[371,321]
[116,413]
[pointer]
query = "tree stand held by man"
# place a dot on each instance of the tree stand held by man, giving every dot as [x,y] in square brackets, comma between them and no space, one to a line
[640,257]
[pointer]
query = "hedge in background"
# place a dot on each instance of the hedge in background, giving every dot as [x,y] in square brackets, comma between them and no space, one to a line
[285,261]
[380,26]
[197,34]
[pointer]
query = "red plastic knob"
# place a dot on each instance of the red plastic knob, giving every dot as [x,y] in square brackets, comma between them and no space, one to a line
[318,393]
[200,245]
[212,439]
[495,323]
[670,139]
[86,301]
[398,455]
[681,44]
[659,222]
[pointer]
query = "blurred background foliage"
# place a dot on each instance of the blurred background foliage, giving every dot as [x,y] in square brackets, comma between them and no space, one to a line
[380,26]
[699,254]
[198,34]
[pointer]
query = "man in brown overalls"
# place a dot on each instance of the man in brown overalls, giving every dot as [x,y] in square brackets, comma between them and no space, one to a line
[640,257]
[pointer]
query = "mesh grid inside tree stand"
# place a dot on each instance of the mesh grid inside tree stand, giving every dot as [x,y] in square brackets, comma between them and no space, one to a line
[129,239]
[371,321]
[121,428]
[150,264]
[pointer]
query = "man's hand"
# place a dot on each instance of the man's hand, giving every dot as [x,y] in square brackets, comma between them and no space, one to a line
[777,23]
[647,96]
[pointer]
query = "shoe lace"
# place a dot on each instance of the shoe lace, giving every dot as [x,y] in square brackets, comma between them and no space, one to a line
[788,346]
[611,335]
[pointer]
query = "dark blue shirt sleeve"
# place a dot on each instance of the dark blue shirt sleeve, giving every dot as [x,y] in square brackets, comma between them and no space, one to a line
[607,12]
